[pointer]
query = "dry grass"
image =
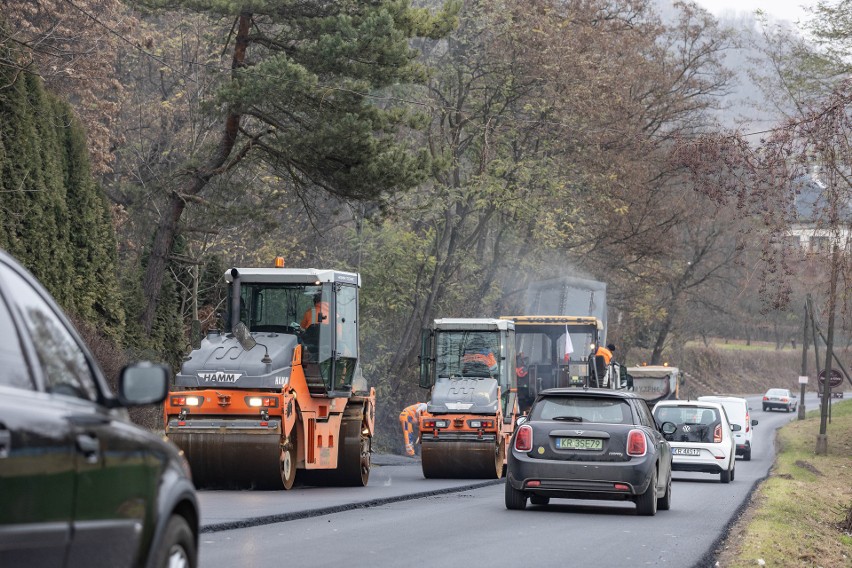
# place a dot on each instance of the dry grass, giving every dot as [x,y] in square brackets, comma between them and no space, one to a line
[802,514]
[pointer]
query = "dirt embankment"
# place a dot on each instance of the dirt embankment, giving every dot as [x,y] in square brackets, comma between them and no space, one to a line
[719,370]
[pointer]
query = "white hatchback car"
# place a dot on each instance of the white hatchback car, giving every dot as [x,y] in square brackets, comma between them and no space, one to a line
[738,413]
[703,440]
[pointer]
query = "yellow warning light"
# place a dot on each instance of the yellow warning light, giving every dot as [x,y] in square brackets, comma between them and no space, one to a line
[279,262]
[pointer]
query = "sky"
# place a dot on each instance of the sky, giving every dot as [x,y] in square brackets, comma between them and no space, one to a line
[782,9]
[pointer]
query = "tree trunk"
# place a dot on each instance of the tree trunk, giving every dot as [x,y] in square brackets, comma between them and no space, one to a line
[657,353]
[164,238]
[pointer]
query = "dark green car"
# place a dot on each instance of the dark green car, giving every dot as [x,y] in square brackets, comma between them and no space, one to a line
[80,485]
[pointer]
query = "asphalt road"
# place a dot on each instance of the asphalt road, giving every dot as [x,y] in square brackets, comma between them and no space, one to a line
[400,517]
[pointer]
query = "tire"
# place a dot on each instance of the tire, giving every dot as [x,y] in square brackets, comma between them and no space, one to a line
[664,503]
[733,472]
[288,463]
[646,503]
[515,500]
[726,476]
[539,500]
[764,408]
[747,454]
[178,549]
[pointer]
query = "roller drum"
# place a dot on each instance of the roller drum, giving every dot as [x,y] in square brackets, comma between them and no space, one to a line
[462,460]
[226,460]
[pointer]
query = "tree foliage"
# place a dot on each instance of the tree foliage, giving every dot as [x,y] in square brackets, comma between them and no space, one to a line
[55,218]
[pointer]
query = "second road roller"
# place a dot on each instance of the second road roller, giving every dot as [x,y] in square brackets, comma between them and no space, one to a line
[469,366]
[280,395]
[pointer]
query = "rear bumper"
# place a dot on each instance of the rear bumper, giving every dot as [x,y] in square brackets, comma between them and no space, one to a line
[579,480]
[698,467]
[773,405]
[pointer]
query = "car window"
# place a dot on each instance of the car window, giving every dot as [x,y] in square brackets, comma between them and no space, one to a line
[583,409]
[15,369]
[694,423]
[63,362]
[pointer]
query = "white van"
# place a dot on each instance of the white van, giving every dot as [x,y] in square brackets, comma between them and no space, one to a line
[738,413]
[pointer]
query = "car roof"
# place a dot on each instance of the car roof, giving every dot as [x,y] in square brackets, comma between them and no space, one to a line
[716,398]
[693,403]
[589,392]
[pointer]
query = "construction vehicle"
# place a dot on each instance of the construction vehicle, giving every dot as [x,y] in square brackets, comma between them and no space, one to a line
[471,414]
[655,382]
[253,406]
[556,351]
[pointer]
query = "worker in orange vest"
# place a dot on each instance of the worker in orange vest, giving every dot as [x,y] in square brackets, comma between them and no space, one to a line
[605,352]
[317,314]
[409,419]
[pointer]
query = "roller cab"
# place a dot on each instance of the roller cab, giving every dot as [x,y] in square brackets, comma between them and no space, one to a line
[281,392]
[471,413]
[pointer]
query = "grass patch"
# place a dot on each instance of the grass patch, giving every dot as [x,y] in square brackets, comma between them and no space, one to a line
[800,515]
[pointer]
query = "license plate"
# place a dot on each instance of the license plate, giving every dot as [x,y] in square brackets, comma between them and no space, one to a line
[686,452]
[579,443]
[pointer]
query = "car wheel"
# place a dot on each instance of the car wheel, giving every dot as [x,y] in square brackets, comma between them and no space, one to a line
[664,503]
[764,408]
[733,472]
[646,503]
[539,500]
[726,476]
[747,454]
[515,500]
[178,549]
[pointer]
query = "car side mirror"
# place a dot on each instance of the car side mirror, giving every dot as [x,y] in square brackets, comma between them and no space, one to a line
[754,422]
[668,428]
[143,383]
[736,427]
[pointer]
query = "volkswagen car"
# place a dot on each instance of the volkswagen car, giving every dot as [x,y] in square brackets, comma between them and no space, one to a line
[590,444]
[80,485]
[703,438]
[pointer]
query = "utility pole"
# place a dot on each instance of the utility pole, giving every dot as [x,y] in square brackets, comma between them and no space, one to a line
[822,437]
[803,378]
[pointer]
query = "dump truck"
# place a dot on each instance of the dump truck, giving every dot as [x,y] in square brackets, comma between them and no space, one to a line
[253,406]
[473,408]
[655,382]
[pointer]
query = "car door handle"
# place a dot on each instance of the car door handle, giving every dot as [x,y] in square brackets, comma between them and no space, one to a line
[90,447]
[5,443]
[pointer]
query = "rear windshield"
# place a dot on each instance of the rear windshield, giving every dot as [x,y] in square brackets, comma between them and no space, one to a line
[583,409]
[778,392]
[694,423]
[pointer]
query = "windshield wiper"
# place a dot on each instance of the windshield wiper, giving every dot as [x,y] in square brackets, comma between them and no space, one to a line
[568,418]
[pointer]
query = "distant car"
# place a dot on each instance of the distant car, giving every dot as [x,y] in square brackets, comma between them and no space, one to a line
[80,485]
[779,398]
[738,413]
[702,440]
[590,444]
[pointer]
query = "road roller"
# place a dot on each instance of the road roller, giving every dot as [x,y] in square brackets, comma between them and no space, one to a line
[469,366]
[280,393]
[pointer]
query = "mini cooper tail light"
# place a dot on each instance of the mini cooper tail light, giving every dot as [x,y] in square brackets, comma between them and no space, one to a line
[717,434]
[523,439]
[636,443]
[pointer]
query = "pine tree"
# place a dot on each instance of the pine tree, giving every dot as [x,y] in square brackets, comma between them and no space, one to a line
[301,101]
